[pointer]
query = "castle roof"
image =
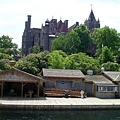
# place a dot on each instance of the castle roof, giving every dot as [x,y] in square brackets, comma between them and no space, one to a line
[92,16]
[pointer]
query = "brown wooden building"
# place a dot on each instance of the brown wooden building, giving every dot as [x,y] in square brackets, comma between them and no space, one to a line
[113,76]
[100,86]
[63,79]
[15,82]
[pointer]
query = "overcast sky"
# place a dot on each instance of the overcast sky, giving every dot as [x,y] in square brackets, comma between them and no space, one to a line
[13,14]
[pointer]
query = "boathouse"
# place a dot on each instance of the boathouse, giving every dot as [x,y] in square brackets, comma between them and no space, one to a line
[101,86]
[115,78]
[63,79]
[15,82]
[94,85]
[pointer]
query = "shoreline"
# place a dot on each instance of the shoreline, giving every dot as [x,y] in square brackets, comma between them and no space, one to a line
[52,103]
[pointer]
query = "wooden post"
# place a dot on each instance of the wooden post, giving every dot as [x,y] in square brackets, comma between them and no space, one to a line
[2,89]
[37,84]
[22,90]
[38,90]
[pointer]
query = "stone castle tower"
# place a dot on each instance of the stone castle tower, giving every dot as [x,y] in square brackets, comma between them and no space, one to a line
[91,23]
[44,35]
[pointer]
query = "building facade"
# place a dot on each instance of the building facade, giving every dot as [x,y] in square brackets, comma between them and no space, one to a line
[104,85]
[44,35]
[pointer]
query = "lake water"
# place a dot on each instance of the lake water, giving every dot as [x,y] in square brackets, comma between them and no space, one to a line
[59,115]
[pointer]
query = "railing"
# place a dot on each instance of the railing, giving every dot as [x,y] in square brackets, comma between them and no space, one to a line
[62,92]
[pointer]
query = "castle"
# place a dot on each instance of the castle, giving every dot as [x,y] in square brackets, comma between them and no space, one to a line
[44,35]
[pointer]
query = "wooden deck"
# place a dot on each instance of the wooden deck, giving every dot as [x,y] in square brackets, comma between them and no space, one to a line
[51,103]
[61,92]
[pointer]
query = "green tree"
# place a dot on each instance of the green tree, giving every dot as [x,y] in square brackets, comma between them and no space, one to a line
[5,56]
[55,60]
[4,65]
[42,59]
[84,36]
[111,66]
[33,63]
[28,64]
[58,43]
[106,37]
[72,43]
[106,55]
[36,48]
[82,62]
[70,63]
[7,47]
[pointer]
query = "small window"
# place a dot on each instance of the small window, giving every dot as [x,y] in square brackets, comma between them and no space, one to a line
[116,89]
[109,88]
[103,88]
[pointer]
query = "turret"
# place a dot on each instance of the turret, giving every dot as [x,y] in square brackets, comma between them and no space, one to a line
[46,41]
[26,24]
[66,24]
[29,21]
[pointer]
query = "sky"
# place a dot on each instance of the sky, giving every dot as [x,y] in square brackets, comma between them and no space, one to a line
[13,14]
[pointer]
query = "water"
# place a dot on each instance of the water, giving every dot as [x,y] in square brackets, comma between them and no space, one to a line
[60,115]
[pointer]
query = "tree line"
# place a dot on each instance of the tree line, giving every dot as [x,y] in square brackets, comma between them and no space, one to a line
[68,52]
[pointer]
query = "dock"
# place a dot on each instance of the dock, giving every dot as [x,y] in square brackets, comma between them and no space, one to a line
[53,103]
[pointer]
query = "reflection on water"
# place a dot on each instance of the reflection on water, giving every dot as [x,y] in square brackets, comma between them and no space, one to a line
[60,115]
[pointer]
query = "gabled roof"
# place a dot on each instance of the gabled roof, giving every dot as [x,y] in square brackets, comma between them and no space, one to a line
[64,73]
[99,80]
[15,75]
[115,76]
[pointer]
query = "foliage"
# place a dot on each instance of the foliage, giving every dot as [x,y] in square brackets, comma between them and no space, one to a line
[111,66]
[4,65]
[42,59]
[106,37]
[118,58]
[55,60]
[33,63]
[7,47]
[71,43]
[74,41]
[106,55]
[58,43]
[82,62]
[84,35]
[28,64]
[5,56]
[70,63]
[36,48]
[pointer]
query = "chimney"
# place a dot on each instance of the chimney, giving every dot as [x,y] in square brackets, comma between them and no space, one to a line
[29,22]
[26,24]
[90,72]
[102,69]
[66,24]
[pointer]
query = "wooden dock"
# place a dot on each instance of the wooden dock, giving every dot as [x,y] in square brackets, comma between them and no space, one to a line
[51,103]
